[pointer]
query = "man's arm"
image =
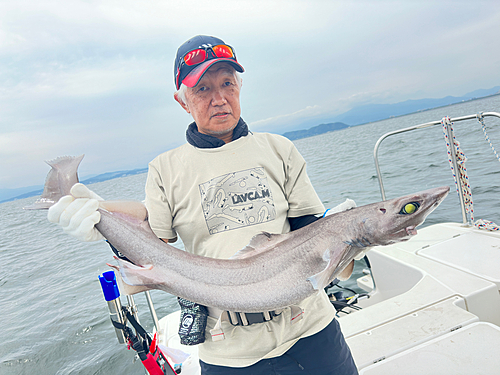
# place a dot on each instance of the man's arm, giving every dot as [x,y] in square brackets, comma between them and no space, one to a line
[301,221]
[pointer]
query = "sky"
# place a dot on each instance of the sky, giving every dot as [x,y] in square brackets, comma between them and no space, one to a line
[96,77]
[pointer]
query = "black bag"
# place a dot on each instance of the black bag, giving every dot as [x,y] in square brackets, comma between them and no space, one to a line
[193,322]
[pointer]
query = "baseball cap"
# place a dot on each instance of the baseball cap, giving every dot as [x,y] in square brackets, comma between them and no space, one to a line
[197,55]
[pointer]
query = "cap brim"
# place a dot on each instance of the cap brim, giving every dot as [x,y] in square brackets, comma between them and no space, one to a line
[195,75]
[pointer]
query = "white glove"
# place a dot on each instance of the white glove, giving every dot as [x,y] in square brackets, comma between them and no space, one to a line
[77,213]
[347,205]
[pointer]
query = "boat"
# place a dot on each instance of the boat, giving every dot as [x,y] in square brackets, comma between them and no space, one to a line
[430,305]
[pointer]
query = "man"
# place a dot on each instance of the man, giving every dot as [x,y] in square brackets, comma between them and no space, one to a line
[219,190]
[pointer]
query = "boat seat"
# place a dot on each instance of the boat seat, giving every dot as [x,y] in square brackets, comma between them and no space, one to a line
[463,259]
[457,353]
[391,337]
[464,253]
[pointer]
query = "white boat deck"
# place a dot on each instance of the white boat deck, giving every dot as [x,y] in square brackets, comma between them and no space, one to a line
[454,272]
[435,308]
[471,350]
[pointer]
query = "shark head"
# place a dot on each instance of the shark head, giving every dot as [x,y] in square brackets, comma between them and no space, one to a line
[395,220]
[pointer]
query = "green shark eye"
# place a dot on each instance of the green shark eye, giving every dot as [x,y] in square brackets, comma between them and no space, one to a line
[409,208]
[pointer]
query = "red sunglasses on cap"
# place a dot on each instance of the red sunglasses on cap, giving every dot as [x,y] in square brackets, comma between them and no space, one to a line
[199,55]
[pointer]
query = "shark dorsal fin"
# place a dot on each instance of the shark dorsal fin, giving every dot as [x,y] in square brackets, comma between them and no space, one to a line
[258,244]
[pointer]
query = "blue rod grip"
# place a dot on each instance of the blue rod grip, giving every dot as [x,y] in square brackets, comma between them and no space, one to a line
[109,285]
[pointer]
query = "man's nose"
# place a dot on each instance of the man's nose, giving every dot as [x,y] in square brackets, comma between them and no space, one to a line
[218,98]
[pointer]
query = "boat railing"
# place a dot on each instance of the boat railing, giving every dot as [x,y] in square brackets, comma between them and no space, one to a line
[453,156]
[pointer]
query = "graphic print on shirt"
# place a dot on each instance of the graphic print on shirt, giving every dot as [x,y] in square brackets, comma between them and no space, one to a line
[237,200]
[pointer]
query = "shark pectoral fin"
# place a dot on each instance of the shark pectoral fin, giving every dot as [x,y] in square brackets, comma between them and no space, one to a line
[258,244]
[347,272]
[322,279]
[130,210]
[362,253]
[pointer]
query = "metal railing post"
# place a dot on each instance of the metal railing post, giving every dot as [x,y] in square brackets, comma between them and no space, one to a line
[152,310]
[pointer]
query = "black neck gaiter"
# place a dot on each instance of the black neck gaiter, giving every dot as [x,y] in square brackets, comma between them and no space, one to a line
[197,139]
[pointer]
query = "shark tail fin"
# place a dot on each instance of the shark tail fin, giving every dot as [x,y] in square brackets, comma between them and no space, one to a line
[61,177]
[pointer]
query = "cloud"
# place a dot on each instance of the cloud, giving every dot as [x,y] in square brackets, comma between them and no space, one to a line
[95,77]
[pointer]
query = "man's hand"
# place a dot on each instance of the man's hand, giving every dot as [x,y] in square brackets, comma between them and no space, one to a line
[77,213]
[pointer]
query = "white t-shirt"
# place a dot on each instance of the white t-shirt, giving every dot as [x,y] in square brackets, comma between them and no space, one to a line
[216,200]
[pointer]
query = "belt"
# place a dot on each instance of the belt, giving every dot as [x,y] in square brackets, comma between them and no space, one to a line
[244,319]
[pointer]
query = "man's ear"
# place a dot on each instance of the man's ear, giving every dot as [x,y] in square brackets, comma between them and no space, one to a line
[179,100]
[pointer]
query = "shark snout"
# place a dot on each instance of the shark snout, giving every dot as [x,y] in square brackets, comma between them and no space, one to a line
[442,192]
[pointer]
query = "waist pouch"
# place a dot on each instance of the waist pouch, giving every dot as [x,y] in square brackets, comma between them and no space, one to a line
[193,322]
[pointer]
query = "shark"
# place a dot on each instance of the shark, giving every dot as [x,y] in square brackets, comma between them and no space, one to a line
[272,272]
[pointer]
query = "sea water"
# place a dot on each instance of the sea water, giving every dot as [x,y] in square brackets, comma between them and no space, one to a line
[54,319]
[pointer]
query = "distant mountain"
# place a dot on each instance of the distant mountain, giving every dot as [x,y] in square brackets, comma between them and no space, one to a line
[8,194]
[39,189]
[319,129]
[376,112]
[112,175]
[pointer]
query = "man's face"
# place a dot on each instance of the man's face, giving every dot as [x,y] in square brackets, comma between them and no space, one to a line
[215,102]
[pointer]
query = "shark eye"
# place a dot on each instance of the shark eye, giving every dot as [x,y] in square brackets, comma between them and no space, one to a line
[409,208]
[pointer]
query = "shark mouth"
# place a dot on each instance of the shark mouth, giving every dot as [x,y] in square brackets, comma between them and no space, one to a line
[411,231]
